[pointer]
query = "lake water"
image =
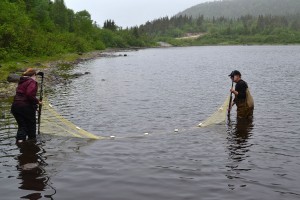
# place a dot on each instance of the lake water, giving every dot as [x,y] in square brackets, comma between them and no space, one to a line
[157,91]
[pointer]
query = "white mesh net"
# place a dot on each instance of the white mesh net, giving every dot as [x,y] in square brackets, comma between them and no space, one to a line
[54,124]
[218,117]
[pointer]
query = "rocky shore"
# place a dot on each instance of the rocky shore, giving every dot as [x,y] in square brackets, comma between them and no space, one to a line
[7,89]
[57,71]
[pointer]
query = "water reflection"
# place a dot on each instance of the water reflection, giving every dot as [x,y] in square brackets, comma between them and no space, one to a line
[32,174]
[7,122]
[238,146]
[243,129]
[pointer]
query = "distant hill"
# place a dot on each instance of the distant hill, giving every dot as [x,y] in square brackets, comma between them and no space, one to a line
[237,8]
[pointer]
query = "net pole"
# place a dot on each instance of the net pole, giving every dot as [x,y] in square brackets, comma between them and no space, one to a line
[230,100]
[40,105]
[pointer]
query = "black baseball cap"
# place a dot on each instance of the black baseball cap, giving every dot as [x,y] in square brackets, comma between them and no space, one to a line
[235,72]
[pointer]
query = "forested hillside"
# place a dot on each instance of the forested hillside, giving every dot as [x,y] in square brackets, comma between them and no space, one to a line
[30,28]
[281,26]
[178,26]
[238,8]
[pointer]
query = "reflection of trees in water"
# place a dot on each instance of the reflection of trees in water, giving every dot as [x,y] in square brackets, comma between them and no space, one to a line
[238,146]
[31,170]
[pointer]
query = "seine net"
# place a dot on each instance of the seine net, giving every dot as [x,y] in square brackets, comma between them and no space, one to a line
[54,124]
[218,117]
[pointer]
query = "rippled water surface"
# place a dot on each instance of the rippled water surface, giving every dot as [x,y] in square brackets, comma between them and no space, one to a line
[157,91]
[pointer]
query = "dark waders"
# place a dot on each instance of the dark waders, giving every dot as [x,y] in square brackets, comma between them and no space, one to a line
[26,119]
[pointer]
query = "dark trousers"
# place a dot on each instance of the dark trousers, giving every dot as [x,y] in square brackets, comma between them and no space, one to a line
[243,111]
[26,119]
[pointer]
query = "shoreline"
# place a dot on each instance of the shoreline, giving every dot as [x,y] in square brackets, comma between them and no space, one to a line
[51,68]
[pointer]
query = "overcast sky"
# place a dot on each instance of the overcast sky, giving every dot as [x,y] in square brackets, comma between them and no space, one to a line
[130,12]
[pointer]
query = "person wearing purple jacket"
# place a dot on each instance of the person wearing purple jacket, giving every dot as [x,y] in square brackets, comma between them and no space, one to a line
[25,105]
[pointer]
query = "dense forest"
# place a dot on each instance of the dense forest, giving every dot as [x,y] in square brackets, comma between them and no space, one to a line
[238,8]
[38,28]
[33,28]
[248,29]
[175,26]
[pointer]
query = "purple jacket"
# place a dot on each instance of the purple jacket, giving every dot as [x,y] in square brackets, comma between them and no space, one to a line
[26,92]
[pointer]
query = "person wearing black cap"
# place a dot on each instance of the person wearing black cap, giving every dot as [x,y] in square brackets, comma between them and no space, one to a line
[244,110]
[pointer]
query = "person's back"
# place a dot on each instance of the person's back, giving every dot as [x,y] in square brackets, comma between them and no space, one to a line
[26,92]
[241,87]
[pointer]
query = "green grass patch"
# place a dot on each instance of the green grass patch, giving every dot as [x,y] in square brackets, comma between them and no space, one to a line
[36,63]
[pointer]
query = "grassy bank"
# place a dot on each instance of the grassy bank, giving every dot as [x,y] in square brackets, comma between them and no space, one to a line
[36,62]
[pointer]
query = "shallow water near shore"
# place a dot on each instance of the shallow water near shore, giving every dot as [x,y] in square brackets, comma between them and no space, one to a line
[156,91]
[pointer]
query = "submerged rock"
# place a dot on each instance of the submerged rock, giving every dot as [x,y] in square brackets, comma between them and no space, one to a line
[13,78]
[77,74]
